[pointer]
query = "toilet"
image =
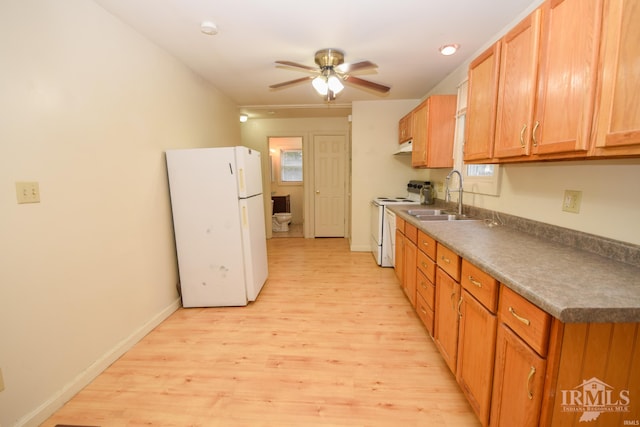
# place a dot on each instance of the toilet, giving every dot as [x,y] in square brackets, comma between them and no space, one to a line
[280,221]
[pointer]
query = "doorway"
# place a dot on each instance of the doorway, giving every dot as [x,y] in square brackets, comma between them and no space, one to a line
[330,185]
[287,186]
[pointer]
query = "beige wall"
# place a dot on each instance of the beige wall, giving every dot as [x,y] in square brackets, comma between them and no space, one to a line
[376,171]
[87,109]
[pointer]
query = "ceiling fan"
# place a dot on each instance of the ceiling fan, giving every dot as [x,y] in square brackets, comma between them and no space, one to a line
[327,78]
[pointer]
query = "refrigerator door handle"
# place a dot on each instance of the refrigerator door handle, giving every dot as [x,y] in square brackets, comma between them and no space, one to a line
[245,221]
[241,180]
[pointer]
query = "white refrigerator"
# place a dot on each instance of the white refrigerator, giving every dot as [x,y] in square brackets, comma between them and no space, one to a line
[218,220]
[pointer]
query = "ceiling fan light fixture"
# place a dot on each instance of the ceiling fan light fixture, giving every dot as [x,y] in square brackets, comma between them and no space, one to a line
[449,49]
[320,85]
[334,83]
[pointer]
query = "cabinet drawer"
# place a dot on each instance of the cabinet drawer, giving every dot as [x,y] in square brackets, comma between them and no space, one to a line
[400,224]
[525,319]
[448,261]
[411,232]
[426,289]
[427,266]
[427,244]
[425,313]
[481,285]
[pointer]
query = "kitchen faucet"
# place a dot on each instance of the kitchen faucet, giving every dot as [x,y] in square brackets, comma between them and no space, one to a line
[448,191]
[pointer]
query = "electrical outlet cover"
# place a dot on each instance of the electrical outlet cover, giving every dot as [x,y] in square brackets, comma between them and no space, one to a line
[571,201]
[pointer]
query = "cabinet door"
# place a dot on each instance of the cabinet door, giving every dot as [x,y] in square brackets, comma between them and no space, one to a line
[517,383]
[517,90]
[419,149]
[447,319]
[441,127]
[567,76]
[399,260]
[405,128]
[410,268]
[476,351]
[433,129]
[618,125]
[480,129]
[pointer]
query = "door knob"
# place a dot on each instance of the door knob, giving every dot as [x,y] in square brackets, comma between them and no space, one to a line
[317,191]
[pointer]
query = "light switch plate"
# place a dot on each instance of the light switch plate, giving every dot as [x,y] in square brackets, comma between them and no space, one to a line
[28,192]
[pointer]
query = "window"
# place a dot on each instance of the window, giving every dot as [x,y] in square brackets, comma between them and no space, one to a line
[291,166]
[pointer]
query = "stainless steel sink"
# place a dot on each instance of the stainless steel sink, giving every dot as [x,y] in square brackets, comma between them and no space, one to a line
[421,212]
[437,215]
[445,217]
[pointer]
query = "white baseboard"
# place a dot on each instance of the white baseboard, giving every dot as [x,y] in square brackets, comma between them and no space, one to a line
[360,248]
[55,402]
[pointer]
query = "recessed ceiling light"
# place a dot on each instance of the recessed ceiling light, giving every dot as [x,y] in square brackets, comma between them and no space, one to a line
[449,49]
[208,28]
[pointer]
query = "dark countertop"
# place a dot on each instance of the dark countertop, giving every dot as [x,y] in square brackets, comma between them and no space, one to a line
[572,285]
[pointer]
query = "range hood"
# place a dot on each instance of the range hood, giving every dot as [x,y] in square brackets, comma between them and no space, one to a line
[405,147]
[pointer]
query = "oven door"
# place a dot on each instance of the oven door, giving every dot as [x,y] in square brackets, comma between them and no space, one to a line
[388,239]
[377,214]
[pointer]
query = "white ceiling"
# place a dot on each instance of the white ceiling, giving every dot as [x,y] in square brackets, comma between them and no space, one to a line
[401,36]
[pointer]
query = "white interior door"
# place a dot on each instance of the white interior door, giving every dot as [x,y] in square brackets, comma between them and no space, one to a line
[330,185]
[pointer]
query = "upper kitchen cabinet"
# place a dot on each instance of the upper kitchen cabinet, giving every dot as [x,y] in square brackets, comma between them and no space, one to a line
[568,70]
[433,132]
[546,92]
[405,128]
[480,129]
[517,88]
[618,118]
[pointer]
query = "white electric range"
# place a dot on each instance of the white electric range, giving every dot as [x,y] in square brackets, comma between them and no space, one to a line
[383,223]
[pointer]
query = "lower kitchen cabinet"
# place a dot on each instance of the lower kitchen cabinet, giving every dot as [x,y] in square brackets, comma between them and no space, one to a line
[516,364]
[518,382]
[425,278]
[477,337]
[406,258]
[409,283]
[476,351]
[445,332]
[399,250]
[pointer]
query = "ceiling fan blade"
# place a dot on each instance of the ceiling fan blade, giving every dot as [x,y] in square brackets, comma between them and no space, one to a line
[290,82]
[367,84]
[296,65]
[356,66]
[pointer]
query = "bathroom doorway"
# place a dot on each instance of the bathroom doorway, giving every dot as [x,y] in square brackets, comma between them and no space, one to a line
[287,186]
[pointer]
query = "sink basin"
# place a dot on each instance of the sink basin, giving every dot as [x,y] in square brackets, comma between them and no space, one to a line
[422,212]
[437,215]
[444,217]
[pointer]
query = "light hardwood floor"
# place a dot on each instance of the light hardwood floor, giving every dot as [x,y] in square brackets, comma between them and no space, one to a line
[331,341]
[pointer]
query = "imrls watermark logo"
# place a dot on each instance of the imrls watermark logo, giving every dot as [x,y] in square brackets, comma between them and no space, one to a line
[594,397]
